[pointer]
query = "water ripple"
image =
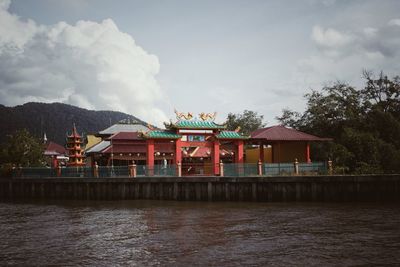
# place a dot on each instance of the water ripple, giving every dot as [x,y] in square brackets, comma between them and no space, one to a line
[153,233]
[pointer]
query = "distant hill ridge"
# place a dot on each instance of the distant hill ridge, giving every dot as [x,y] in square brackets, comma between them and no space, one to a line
[56,119]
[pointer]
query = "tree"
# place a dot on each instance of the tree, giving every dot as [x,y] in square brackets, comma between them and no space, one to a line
[382,93]
[22,149]
[364,123]
[248,121]
[290,118]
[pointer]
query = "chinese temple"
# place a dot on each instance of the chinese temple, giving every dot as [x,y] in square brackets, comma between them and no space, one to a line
[199,144]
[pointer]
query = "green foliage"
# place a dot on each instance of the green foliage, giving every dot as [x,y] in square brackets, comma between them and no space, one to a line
[22,149]
[248,122]
[364,123]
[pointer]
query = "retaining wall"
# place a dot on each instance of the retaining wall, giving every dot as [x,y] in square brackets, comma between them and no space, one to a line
[290,188]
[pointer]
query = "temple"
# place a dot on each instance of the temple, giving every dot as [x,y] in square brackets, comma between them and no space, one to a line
[197,145]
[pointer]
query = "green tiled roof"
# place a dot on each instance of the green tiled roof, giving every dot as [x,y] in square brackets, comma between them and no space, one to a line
[198,125]
[162,134]
[230,135]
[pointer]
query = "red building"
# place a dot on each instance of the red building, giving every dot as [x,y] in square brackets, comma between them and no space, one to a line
[197,144]
[55,154]
[283,144]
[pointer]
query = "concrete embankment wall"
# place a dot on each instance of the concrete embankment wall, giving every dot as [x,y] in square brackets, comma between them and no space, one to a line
[291,188]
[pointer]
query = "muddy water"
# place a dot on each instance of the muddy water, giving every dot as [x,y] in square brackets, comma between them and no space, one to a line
[153,233]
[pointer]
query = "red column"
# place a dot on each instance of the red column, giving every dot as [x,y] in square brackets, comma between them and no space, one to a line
[308,160]
[150,155]
[178,151]
[55,162]
[215,157]
[239,153]
[261,155]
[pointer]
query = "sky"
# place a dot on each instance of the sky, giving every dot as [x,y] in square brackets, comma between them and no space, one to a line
[147,58]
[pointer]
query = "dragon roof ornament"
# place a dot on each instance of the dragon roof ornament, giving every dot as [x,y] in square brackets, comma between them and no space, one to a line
[202,116]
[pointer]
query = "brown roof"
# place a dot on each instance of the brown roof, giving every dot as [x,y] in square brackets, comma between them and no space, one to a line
[126,136]
[125,149]
[282,133]
[54,148]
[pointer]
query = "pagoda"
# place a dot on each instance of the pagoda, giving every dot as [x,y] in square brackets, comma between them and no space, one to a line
[75,150]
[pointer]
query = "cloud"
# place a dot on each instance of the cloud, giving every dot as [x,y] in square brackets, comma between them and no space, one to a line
[89,64]
[342,55]
[330,38]
[394,22]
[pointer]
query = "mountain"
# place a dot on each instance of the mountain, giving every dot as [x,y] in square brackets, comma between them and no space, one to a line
[56,119]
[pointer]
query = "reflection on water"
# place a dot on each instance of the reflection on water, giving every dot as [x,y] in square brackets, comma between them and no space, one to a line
[192,233]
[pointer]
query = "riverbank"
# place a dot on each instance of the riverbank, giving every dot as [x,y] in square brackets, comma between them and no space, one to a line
[265,189]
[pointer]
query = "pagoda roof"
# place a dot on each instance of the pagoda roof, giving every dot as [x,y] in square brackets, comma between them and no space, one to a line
[74,133]
[160,134]
[282,133]
[231,135]
[195,124]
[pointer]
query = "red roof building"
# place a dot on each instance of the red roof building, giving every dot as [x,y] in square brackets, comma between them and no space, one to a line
[287,144]
[54,149]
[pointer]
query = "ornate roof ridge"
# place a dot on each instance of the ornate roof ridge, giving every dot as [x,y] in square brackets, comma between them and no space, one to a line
[167,134]
[228,134]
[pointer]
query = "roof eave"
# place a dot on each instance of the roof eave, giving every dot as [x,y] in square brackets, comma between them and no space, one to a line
[290,140]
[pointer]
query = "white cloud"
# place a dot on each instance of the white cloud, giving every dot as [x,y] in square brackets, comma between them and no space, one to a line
[394,22]
[330,38]
[370,32]
[89,64]
[343,55]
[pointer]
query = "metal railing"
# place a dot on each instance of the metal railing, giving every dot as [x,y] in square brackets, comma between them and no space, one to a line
[227,169]
[278,169]
[240,170]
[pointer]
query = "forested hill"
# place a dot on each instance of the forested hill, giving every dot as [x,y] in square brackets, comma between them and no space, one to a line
[55,120]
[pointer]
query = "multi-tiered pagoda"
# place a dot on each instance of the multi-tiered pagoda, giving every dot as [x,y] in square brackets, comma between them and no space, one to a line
[75,150]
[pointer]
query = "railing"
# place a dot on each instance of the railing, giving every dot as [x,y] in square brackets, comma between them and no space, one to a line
[240,170]
[278,169]
[156,170]
[312,168]
[96,172]
[227,169]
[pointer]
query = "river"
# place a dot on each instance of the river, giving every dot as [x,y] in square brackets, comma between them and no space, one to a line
[167,233]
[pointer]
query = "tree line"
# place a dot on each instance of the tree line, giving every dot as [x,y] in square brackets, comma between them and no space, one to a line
[364,123]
